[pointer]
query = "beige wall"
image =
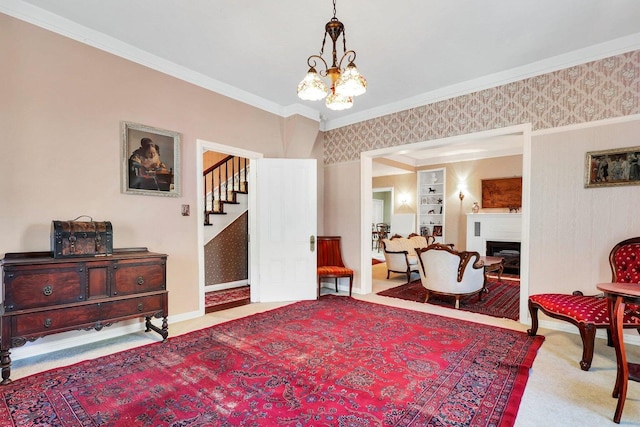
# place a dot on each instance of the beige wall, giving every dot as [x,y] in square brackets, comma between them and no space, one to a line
[573,228]
[403,185]
[62,104]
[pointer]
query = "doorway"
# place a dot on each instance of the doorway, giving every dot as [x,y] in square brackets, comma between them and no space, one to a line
[201,148]
[366,175]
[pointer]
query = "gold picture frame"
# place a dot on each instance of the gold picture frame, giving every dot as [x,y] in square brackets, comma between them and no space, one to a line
[150,160]
[608,168]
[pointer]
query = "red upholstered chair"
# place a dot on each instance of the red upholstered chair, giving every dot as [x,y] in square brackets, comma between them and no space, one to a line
[590,313]
[330,264]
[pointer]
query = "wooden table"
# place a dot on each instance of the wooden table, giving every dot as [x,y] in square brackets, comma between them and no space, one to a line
[618,294]
[493,263]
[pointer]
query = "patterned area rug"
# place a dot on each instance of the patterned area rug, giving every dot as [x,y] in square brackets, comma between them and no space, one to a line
[503,299]
[335,361]
[227,298]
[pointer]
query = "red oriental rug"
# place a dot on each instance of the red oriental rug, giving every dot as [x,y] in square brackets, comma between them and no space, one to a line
[336,361]
[226,298]
[503,299]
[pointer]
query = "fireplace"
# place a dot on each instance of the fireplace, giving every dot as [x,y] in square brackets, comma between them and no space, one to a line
[509,251]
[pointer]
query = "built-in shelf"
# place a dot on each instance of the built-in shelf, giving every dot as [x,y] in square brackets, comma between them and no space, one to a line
[431,203]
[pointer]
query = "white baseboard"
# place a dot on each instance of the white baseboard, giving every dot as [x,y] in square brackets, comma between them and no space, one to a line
[631,336]
[228,285]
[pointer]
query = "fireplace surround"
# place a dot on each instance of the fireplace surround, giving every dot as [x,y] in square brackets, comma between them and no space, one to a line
[496,234]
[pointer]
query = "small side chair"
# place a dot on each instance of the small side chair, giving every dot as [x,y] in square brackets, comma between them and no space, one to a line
[330,264]
[590,313]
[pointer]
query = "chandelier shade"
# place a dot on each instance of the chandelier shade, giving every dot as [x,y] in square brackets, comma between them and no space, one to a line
[345,83]
[337,102]
[351,82]
[312,88]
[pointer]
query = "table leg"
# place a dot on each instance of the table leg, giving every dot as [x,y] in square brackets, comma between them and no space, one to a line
[622,376]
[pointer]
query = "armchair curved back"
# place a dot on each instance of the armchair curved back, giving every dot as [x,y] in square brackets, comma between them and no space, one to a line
[624,260]
[445,270]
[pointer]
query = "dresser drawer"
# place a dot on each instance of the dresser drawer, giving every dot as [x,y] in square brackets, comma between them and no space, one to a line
[134,277]
[133,307]
[46,322]
[29,288]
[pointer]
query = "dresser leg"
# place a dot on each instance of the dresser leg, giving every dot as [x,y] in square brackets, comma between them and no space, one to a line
[5,364]
[164,332]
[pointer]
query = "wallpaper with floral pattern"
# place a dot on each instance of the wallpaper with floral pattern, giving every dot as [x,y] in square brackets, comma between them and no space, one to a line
[593,91]
[226,256]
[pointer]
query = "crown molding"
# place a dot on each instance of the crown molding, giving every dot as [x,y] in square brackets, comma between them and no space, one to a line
[41,18]
[82,34]
[559,62]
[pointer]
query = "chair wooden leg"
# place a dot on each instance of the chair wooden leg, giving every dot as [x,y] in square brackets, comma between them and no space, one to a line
[588,335]
[533,311]
[350,284]
[336,284]
[319,283]
[457,302]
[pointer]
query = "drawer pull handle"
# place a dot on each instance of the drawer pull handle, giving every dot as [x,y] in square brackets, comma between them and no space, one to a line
[140,307]
[140,280]
[47,290]
[47,323]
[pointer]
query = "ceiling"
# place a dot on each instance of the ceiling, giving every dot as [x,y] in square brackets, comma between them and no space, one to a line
[412,52]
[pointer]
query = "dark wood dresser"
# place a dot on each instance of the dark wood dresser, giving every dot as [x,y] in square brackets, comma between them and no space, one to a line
[42,295]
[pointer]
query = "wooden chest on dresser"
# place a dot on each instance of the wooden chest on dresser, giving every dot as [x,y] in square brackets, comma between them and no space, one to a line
[42,295]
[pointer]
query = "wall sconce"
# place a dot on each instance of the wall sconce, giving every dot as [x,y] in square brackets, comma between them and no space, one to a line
[404,199]
[461,190]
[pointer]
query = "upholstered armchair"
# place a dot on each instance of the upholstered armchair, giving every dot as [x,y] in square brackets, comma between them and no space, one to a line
[445,271]
[400,254]
[589,313]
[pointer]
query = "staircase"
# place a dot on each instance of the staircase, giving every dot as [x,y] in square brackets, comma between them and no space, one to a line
[223,182]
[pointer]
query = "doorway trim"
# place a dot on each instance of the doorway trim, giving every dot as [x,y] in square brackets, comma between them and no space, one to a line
[366,177]
[201,147]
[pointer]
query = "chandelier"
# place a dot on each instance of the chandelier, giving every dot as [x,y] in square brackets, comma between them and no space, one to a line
[345,83]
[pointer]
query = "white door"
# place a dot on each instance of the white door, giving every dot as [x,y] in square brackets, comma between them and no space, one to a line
[378,211]
[285,226]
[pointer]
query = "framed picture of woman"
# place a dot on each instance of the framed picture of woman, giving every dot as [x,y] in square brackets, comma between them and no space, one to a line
[150,160]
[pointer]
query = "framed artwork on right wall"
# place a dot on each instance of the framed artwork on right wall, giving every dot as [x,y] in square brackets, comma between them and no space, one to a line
[607,168]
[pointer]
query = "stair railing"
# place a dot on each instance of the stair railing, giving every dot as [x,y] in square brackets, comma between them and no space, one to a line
[222,182]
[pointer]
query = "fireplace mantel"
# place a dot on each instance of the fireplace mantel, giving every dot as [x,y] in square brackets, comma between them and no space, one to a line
[500,227]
